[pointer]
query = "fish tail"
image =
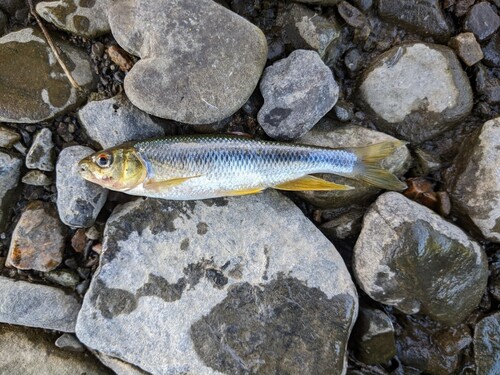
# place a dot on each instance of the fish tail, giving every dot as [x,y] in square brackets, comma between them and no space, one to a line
[370,172]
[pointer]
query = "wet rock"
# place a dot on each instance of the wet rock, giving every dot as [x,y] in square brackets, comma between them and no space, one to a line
[78,201]
[467,48]
[114,121]
[424,17]
[416,91]
[87,18]
[474,183]
[305,29]
[428,347]
[408,257]
[487,345]
[374,336]
[66,278]
[482,20]
[488,84]
[200,73]
[41,153]
[8,137]
[298,91]
[492,51]
[200,285]
[43,90]
[69,342]
[10,171]
[29,352]
[33,305]
[36,178]
[326,134]
[38,240]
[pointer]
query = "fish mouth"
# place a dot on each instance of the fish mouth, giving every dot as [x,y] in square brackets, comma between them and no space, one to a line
[84,170]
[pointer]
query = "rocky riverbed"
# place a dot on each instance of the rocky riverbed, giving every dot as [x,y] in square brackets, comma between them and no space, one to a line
[360,281]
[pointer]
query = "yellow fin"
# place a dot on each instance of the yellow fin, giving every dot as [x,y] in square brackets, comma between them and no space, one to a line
[380,177]
[311,183]
[243,192]
[378,151]
[158,186]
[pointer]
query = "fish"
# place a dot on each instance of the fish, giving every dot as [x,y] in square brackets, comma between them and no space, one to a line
[210,166]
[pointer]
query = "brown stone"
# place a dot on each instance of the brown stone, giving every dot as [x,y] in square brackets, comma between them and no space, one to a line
[37,241]
[120,57]
[79,241]
[467,48]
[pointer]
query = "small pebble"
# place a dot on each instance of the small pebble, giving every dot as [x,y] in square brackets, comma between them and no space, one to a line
[120,57]
[66,278]
[79,240]
[8,137]
[467,48]
[36,178]
[41,154]
[69,342]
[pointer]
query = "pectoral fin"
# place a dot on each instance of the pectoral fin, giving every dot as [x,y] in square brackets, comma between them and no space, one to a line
[158,186]
[311,183]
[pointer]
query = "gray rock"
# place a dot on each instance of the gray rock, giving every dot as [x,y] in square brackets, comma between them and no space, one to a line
[467,48]
[32,352]
[118,366]
[66,278]
[198,287]
[409,257]
[345,225]
[41,153]
[78,201]
[416,91]
[33,305]
[474,182]
[43,90]
[305,29]
[36,178]
[10,171]
[353,17]
[492,51]
[487,345]
[424,17]
[114,121]
[69,342]
[374,336]
[193,66]
[8,137]
[87,18]
[482,20]
[319,2]
[38,240]
[488,84]
[326,134]
[298,91]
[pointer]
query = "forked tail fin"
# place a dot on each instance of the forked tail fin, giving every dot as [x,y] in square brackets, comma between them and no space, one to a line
[370,172]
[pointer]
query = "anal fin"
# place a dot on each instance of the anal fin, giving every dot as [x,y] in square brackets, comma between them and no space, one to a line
[158,186]
[311,183]
[243,192]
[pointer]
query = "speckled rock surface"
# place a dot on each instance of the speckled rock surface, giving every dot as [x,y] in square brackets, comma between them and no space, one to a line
[409,257]
[78,201]
[482,20]
[467,48]
[33,305]
[298,91]
[328,134]
[38,239]
[487,345]
[416,91]
[115,121]
[41,153]
[209,291]
[193,68]
[42,91]
[474,181]
[87,18]
[10,171]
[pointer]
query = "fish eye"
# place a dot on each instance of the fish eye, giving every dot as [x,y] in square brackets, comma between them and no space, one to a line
[104,160]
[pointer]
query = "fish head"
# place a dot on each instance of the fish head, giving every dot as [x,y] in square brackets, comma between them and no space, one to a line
[119,168]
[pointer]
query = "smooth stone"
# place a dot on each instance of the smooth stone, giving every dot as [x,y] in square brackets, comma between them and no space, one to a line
[416,91]
[69,342]
[328,134]
[114,121]
[409,257]
[298,91]
[492,52]
[424,17]
[66,278]
[32,352]
[374,336]
[43,90]
[36,178]
[33,305]
[487,345]
[352,15]
[467,48]
[78,201]
[41,153]
[473,182]
[482,20]
[38,240]
[87,18]
[8,137]
[303,28]
[199,64]
[10,171]
[181,281]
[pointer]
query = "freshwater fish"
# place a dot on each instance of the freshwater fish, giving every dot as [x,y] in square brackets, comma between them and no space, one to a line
[210,166]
